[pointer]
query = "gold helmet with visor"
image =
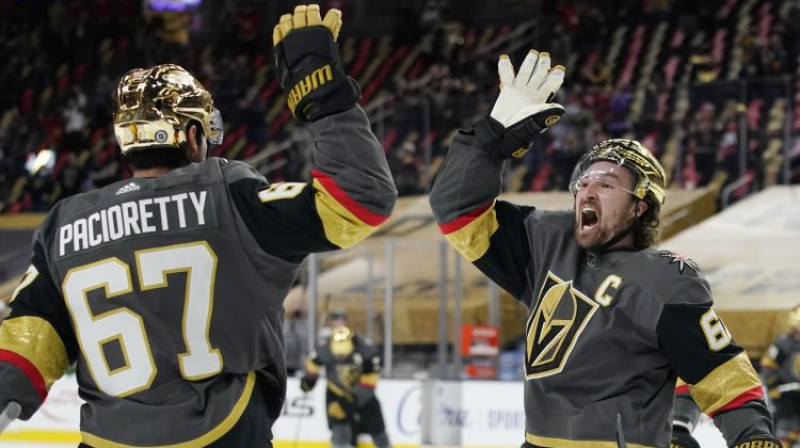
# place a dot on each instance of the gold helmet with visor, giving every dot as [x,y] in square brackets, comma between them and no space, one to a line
[650,175]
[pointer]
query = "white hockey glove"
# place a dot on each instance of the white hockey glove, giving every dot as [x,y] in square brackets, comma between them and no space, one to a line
[522,110]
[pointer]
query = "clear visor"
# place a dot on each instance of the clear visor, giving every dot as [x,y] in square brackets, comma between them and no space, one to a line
[602,180]
[215,129]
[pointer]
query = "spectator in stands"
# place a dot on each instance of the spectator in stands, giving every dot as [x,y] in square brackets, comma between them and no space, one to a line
[703,141]
[94,43]
[74,121]
[570,139]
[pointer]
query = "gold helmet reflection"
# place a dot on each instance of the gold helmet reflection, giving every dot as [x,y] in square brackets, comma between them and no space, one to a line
[154,106]
[631,154]
[342,341]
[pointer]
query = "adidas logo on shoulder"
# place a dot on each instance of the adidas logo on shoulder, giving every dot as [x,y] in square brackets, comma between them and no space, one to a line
[131,186]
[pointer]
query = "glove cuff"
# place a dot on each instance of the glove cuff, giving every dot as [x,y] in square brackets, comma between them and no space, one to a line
[515,141]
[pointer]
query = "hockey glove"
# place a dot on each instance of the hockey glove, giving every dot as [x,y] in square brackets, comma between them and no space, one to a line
[309,65]
[759,441]
[682,439]
[307,383]
[522,110]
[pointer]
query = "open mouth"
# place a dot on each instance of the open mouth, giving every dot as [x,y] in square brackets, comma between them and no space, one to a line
[588,218]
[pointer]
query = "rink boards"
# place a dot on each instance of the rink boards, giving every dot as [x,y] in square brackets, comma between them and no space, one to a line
[438,413]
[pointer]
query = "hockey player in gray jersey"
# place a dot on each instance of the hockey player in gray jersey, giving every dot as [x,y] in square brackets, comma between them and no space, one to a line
[167,289]
[612,322]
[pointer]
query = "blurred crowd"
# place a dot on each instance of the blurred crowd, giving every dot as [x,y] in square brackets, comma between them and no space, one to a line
[710,87]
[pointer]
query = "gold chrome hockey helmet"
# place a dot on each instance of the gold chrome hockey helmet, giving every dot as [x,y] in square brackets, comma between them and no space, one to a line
[342,341]
[154,106]
[632,155]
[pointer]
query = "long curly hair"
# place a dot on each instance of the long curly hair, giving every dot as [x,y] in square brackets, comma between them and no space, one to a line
[648,232]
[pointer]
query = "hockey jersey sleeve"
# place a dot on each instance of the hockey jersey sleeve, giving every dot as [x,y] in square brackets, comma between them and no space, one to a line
[351,193]
[37,342]
[717,371]
[487,232]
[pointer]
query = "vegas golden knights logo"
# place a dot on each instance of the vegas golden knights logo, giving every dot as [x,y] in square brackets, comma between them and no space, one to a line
[560,317]
[349,374]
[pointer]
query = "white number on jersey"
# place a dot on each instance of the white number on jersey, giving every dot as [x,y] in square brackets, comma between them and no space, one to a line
[199,262]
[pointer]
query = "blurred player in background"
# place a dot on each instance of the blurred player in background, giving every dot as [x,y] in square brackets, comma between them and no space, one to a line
[612,321]
[780,372]
[168,288]
[352,367]
[686,416]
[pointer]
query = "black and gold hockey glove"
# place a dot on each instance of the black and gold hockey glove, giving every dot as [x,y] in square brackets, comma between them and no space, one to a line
[523,109]
[682,439]
[309,65]
[759,441]
[307,383]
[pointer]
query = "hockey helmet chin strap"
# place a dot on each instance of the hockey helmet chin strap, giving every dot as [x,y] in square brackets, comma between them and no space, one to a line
[621,235]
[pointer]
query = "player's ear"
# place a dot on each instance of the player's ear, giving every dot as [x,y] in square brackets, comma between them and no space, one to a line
[641,207]
[196,149]
[191,137]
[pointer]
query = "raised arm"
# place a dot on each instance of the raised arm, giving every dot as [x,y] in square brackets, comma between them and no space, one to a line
[352,191]
[487,232]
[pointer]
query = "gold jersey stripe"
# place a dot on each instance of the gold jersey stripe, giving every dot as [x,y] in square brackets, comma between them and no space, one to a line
[472,240]
[341,226]
[369,379]
[202,441]
[36,340]
[554,442]
[725,384]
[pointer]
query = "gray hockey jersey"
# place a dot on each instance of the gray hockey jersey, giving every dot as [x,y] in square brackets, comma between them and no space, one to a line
[607,333]
[168,291]
[344,373]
